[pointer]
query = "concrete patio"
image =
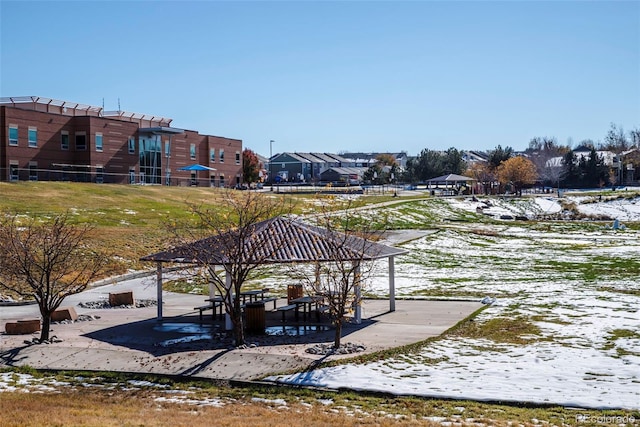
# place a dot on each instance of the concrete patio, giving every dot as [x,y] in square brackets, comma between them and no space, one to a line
[133,340]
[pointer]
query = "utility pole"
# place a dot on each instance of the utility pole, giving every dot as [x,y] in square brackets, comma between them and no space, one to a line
[270,166]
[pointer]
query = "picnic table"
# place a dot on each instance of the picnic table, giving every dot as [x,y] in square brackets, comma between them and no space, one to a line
[248,297]
[253,296]
[306,303]
[212,304]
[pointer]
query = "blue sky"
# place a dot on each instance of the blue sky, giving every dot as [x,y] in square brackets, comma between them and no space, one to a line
[338,76]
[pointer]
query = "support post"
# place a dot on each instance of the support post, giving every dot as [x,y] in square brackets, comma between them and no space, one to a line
[392,284]
[228,324]
[159,288]
[358,291]
[212,287]
[316,283]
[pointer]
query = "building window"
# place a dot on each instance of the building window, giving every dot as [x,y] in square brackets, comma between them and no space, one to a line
[221,155]
[13,172]
[33,171]
[221,180]
[192,151]
[167,149]
[212,154]
[132,175]
[237,157]
[99,142]
[13,135]
[150,160]
[64,140]
[33,137]
[81,141]
[132,146]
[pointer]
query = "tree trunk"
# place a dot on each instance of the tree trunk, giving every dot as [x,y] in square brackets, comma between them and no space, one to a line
[238,330]
[338,334]
[46,325]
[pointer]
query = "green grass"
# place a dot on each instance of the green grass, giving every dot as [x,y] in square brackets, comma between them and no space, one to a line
[621,334]
[130,221]
[502,330]
[110,205]
[597,266]
[635,292]
[196,286]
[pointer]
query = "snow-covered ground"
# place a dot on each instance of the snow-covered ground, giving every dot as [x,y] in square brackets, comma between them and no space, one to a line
[577,282]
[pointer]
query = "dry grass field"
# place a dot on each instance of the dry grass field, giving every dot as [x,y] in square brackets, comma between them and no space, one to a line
[113,400]
[93,408]
[130,220]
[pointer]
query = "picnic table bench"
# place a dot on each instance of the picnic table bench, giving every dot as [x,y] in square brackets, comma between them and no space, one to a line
[306,303]
[286,308]
[258,295]
[270,299]
[212,305]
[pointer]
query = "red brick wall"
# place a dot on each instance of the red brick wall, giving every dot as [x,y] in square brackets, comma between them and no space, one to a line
[114,158]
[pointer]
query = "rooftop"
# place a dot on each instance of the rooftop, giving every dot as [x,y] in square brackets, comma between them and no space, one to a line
[67,108]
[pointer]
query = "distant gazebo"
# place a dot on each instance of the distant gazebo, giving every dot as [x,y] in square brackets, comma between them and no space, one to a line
[451,183]
[280,240]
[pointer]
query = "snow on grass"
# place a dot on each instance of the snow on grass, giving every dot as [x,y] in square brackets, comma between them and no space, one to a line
[621,209]
[182,399]
[577,284]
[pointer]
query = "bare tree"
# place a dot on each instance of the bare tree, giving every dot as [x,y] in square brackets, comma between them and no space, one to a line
[553,171]
[481,172]
[546,155]
[230,227]
[634,137]
[349,250]
[616,139]
[47,260]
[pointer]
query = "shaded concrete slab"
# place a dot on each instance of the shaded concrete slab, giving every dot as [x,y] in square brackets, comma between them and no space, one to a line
[132,340]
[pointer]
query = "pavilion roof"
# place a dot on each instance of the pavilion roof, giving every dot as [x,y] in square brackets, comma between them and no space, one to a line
[277,240]
[451,178]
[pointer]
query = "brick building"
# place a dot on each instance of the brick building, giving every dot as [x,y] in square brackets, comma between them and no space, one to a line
[51,140]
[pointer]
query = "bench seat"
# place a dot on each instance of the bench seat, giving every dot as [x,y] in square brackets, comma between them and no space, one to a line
[211,306]
[286,308]
[269,299]
[323,308]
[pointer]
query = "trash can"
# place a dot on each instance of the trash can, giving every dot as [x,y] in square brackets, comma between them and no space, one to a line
[255,318]
[294,292]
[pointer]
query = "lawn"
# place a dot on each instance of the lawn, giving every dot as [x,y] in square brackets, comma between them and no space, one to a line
[562,330]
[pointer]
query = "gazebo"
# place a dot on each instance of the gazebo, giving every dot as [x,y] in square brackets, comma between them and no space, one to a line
[280,240]
[450,181]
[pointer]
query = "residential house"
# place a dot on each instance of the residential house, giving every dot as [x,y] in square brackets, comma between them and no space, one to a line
[367,160]
[302,167]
